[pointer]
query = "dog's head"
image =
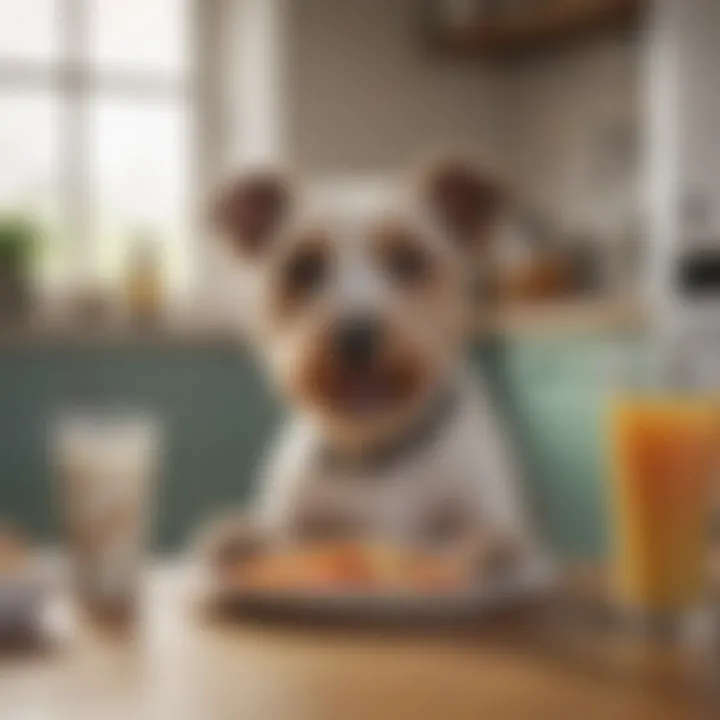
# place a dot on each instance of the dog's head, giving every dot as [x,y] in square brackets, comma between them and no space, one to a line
[359,309]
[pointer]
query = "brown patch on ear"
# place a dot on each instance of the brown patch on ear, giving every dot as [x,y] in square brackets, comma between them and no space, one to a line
[249,210]
[465,201]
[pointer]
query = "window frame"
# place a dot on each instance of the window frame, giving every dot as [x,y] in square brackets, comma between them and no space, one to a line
[74,78]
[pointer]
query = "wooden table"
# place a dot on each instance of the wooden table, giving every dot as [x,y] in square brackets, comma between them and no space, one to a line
[549,661]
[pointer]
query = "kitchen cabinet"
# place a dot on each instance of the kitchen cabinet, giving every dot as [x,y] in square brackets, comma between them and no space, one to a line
[214,408]
[554,393]
[532,26]
[218,417]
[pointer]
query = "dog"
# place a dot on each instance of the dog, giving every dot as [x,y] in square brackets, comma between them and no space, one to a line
[360,313]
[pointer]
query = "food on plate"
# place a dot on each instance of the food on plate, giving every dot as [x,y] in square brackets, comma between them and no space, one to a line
[14,553]
[349,567]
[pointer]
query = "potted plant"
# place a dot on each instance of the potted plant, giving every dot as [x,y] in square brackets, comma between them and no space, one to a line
[18,243]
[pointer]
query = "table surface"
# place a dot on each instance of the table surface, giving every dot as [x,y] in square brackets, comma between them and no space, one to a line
[544,661]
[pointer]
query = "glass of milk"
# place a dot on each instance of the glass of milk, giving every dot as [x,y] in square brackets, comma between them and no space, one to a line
[105,463]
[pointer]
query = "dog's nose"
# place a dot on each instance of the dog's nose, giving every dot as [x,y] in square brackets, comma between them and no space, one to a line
[356,341]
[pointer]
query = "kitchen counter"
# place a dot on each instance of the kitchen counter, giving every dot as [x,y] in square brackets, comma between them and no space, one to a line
[567,317]
[547,317]
[179,335]
[543,661]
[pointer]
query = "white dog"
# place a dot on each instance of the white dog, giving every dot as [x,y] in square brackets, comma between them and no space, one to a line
[360,313]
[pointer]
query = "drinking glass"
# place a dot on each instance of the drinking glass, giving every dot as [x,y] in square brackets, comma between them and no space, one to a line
[106,463]
[664,453]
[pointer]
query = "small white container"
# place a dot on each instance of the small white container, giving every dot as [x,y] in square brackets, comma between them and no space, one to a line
[23,597]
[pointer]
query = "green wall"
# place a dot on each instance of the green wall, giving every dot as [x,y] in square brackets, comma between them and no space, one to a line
[218,416]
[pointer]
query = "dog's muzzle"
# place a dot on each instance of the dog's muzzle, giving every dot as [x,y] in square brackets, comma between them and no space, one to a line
[356,342]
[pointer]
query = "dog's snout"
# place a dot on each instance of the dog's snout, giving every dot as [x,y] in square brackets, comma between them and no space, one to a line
[356,341]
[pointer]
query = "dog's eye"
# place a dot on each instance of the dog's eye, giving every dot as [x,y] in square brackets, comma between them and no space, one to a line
[406,263]
[306,272]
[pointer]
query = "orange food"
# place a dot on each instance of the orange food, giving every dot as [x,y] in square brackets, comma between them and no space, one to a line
[350,567]
[13,550]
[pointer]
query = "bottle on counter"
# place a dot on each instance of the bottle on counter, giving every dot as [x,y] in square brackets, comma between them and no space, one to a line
[144,281]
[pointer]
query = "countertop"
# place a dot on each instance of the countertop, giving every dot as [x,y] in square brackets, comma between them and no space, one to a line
[546,660]
[544,318]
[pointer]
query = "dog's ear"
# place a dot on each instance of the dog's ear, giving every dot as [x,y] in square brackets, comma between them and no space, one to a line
[465,202]
[249,210]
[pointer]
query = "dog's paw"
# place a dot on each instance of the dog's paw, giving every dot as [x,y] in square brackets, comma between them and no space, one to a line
[225,541]
[492,554]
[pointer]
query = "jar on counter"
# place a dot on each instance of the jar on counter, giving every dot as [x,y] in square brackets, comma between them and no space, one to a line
[144,281]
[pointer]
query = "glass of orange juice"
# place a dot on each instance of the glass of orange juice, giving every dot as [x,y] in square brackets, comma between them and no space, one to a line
[665,452]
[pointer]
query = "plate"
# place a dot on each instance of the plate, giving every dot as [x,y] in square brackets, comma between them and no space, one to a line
[528,582]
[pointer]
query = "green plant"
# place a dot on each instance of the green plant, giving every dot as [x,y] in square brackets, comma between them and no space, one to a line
[19,240]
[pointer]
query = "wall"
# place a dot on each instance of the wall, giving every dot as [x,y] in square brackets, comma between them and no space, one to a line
[698,29]
[572,131]
[363,97]
[683,150]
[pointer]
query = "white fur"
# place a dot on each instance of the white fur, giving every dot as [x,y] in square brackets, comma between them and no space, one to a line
[469,464]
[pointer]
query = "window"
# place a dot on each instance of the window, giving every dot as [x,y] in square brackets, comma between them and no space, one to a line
[96,110]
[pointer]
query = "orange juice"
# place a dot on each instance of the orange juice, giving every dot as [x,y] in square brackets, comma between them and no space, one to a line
[664,459]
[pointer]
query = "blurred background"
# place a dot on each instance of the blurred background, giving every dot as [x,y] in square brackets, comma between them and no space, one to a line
[117,117]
